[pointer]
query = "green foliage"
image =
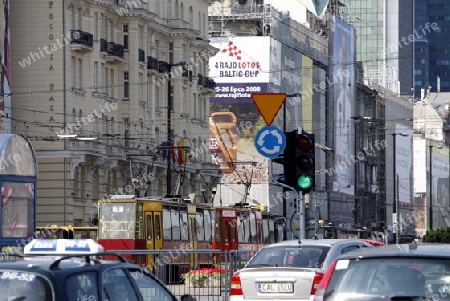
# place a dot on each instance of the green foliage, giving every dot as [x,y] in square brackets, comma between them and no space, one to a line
[438,235]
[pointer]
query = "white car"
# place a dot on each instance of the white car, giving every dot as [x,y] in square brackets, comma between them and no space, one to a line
[289,270]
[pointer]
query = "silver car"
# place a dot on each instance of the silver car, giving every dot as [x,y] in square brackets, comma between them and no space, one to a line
[289,270]
[394,272]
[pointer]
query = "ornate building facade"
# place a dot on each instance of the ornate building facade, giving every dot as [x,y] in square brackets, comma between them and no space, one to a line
[113,94]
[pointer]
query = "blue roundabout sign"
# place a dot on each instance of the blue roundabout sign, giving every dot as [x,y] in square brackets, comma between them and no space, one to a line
[270,141]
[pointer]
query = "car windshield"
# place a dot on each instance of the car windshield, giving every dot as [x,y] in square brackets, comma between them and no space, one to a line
[18,286]
[415,278]
[290,256]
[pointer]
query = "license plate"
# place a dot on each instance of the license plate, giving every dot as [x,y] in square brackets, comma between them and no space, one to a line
[276,287]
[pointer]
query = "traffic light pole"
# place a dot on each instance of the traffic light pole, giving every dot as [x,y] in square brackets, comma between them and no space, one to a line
[300,203]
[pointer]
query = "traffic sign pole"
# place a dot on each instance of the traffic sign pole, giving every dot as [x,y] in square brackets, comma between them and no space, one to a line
[300,203]
[270,142]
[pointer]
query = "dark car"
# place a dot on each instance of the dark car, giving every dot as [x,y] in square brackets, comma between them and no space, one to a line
[393,272]
[289,270]
[70,270]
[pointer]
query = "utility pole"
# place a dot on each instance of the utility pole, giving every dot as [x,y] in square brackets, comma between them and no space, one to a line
[169,131]
[169,123]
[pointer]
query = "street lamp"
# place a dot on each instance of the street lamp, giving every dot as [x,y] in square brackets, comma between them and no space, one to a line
[395,209]
[430,202]
[169,123]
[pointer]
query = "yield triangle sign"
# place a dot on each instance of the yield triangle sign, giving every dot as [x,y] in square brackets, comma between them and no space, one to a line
[268,105]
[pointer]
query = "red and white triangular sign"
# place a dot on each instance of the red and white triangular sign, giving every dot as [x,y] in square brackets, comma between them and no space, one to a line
[269,104]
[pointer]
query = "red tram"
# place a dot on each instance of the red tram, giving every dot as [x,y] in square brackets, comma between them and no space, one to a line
[129,223]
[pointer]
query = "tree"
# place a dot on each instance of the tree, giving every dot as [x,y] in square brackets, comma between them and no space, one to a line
[439,235]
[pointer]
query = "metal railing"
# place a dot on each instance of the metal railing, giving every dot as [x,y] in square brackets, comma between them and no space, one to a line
[204,274]
[81,37]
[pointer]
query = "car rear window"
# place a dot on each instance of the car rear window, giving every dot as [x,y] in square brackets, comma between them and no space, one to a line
[19,285]
[290,256]
[412,277]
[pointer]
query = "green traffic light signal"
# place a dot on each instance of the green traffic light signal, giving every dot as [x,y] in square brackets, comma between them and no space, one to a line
[305,162]
[299,161]
[304,182]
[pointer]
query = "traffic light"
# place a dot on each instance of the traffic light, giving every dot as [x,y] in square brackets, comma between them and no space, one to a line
[299,161]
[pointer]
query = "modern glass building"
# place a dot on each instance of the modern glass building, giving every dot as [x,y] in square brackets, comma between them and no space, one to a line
[432,62]
[383,47]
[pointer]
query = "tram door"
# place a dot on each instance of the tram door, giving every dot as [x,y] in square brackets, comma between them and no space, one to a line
[229,233]
[153,236]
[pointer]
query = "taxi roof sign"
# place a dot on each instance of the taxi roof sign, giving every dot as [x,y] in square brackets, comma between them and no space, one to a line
[269,104]
[62,247]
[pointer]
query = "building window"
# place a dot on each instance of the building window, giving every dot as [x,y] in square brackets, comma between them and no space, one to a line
[101,27]
[170,53]
[79,18]
[169,9]
[194,65]
[150,96]
[105,28]
[111,31]
[105,79]
[76,18]
[191,17]
[80,73]
[126,88]
[141,87]
[96,26]
[111,84]
[126,132]
[140,37]
[204,108]
[95,76]
[74,72]
[106,85]
[183,51]
[157,48]
[101,76]
[185,101]
[157,100]
[195,107]
[125,35]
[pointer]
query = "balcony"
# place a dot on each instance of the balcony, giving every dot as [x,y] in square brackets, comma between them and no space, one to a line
[207,83]
[178,24]
[81,41]
[141,55]
[152,65]
[163,67]
[113,52]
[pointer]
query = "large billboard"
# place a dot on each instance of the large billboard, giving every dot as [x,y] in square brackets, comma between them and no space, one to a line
[404,163]
[440,185]
[343,87]
[286,72]
[240,68]
[5,65]
[420,165]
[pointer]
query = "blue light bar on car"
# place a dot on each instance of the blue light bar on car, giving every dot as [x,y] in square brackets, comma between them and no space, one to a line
[62,247]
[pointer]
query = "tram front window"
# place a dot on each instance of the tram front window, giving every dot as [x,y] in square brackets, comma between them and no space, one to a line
[117,220]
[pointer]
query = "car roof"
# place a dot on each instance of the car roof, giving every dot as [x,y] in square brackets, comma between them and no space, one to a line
[44,263]
[401,250]
[321,242]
